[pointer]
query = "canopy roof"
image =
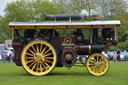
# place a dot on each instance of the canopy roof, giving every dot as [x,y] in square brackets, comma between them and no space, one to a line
[65,25]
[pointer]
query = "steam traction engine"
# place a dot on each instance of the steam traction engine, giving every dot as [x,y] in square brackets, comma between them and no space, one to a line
[40,46]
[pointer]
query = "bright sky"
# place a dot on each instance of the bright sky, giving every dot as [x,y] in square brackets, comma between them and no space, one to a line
[3,5]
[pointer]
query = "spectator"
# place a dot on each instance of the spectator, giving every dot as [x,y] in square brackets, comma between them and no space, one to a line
[118,54]
[11,57]
[3,57]
[8,54]
[0,58]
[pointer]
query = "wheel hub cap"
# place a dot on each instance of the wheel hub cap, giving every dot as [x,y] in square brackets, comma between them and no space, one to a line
[97,64]
[38,57]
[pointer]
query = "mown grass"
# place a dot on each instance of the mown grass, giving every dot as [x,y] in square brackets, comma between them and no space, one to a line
[10,74]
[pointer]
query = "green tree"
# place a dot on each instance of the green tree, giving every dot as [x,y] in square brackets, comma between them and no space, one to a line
[122,32]
[62,5]
[117,6]
[111,7]
[25,11]
[75,6]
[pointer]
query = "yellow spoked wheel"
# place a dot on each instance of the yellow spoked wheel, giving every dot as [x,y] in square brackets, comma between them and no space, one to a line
[39,58]
[97,64]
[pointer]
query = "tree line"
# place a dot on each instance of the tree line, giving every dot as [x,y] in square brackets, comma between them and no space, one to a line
[35,10]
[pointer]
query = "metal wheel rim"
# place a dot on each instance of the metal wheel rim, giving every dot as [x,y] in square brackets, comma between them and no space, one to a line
[97,64]
[38,58]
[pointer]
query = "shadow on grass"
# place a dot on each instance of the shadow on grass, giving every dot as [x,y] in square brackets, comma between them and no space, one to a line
[51,74]
[57,74]
[69,74]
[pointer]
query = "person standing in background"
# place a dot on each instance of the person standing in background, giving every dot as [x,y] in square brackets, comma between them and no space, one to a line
[8,55]
[0,58]
[3,57]
[11,57]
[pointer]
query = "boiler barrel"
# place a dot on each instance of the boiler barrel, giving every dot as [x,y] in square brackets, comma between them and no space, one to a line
[97,48]
[89,49]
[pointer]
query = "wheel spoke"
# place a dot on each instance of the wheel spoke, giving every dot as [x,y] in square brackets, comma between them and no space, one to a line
[47,51]
[29,54]
[100,59]
[92,68]
[100,70]
[49,58]
[29,57]
[96,69]
[97,58]
[37,67]
[43,66]
[48,54]
[31,51]
[48,61]
[34,49]
[102,63]
[47,64]
[29,61]
[92,64]
[37,48]
[92,61]
[34,66]
[104,66]
[43,50]
[40,68]
[31,64]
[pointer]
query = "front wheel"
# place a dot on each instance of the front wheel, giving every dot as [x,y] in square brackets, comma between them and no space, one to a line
[39,58]
[97,64]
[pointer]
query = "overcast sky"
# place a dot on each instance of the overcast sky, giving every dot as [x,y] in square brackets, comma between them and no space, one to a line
[3,5]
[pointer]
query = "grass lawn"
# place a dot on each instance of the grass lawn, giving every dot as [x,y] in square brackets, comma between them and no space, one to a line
[10,74]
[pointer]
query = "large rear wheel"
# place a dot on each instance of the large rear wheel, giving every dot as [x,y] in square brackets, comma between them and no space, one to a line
[39,58]
[97,64]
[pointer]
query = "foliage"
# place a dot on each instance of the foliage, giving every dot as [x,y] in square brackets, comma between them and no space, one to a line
[122,32]
[35,10]
[25,11]
[108,9]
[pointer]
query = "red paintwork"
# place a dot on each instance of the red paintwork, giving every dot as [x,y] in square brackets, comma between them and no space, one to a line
[57,41]
[79,48]
[109,42]
[18,47]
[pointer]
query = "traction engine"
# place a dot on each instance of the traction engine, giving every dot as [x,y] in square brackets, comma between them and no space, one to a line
[39,47]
